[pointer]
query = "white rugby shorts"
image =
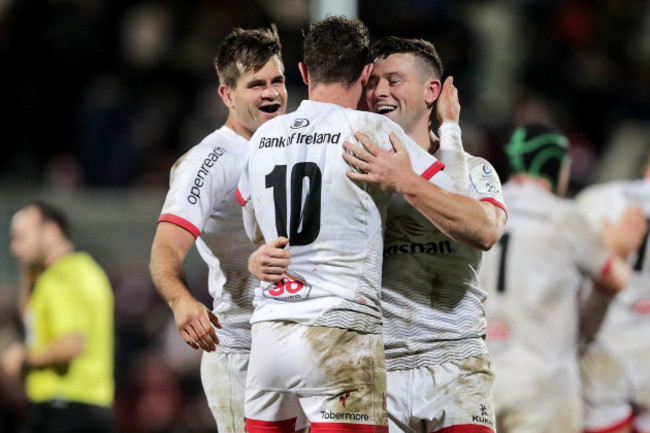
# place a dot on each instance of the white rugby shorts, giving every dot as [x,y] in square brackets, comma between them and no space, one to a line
[224,382]
[451,397]
[615,371]
[334,379]
[536,395]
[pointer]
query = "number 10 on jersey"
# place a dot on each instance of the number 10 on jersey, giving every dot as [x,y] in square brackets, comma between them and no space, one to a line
[304,221]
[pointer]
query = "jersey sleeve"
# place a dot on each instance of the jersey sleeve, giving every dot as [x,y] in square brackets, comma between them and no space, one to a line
[601,203]
[197,186]
[453,155]
[243,194]
[484,183]
[586,247]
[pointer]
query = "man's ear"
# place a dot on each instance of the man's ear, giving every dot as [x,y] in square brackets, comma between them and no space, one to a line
[365,74]
[51,230]
[432,91]
[226,95]
[304,72]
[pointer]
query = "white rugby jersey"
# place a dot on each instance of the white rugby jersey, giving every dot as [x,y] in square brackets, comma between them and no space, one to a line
[631,307]
[201,199]
[431,296]
[532,279]
[295,181]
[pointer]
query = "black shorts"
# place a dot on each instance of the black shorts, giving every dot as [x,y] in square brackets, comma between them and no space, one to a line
[67,417]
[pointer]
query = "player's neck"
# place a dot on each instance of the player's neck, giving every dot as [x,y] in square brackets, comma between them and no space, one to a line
[420,134]
[336,93]
[236,126]
[57,252]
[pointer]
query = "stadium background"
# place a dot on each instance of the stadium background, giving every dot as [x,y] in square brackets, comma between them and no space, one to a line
[99,97]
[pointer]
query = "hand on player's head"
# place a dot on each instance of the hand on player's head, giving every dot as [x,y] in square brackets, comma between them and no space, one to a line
[448,105]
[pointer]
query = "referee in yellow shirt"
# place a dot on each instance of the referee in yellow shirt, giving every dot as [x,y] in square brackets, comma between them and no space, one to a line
[67,306]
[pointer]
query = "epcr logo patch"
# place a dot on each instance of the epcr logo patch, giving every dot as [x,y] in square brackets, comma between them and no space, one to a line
[487,169]
[299,123]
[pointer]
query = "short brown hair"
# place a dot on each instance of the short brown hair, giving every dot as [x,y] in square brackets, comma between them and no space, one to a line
[51,214]
[336,50]
[422,50]
[244,51]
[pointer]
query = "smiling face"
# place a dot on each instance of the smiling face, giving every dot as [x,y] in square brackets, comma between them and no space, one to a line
[396,90]
[258,96]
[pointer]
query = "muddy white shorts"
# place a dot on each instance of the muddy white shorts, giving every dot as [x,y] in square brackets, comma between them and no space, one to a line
[333,378]
[224,381]
[451,397]
[615,372]
[536,395]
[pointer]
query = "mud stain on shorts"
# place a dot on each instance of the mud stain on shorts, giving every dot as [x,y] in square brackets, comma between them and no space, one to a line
[353,367]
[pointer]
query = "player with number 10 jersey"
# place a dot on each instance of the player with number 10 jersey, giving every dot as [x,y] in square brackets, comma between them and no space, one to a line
[296,180]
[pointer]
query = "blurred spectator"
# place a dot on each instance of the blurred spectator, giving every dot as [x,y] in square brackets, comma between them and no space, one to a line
[67,303]
[118,85]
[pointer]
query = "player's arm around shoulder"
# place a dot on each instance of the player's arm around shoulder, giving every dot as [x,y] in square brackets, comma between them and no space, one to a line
[473,222]
[387,169]
[384,156]
[388,158]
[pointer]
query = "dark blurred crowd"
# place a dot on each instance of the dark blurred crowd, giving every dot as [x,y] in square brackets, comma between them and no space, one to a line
[109,93]
[99,93]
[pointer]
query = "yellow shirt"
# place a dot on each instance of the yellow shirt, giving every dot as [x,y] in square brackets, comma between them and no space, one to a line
[73,296]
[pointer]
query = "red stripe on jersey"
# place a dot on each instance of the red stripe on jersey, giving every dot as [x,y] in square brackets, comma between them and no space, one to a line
[614,427]
[433,169]
[465,428]
[240,199]
[497,203]
[340,427]
[258,426]
[607,266]
[181,222]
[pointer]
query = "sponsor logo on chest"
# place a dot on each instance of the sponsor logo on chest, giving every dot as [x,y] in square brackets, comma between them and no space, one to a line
[405,235]
[299,138]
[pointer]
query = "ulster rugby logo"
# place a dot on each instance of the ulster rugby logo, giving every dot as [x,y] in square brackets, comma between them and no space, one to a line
[300,123]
